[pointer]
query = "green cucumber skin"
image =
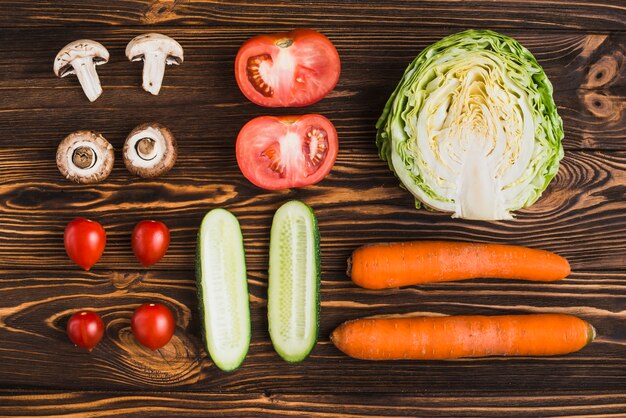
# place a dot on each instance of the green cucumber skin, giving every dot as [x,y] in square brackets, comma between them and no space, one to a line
[318,266]
[200,293]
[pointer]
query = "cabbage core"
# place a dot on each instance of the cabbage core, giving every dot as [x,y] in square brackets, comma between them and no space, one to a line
[472,128]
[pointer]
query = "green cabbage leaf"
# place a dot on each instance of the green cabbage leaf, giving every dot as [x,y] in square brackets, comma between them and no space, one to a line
[472,127]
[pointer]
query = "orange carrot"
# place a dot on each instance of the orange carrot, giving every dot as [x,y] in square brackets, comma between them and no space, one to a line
[441,338]
[381,266]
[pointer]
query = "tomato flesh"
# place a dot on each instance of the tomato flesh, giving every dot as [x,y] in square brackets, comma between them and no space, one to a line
[290,151]
[290,69]
[253,71]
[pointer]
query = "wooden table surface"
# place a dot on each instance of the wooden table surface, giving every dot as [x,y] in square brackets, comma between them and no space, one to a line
[582,215]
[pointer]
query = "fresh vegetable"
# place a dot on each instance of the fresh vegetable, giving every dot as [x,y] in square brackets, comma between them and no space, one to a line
[472,127]
[85,157]
[150,150]
[293,300]
[288,151]
[287,69]
[153,325]
[381,266]
[223,289]
[442,338]
[150,240]
[81,57]
[85,329]
[84,242]
[156,51]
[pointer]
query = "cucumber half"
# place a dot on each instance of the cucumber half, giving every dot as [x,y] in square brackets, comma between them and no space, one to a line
[223,289]
[293,281]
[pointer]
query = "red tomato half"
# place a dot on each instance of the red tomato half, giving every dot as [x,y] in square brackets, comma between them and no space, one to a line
[84,242]
[286,151]
[288,69]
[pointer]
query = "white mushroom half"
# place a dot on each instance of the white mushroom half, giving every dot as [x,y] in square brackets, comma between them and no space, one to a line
[150,150]
[80,58]
[85,157]
[156,51]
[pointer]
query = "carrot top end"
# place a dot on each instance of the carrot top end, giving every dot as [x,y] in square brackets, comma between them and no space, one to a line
[591,333]
[349,268]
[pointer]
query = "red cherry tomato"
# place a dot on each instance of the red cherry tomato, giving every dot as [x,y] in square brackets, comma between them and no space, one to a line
[85,329]
[84,242]
[288,69]
[153,325]
[150,240]
[288,151]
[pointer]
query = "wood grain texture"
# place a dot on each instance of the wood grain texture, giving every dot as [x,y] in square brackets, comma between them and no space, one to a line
[35,306]
[359,203]
[587,70]
[582,216]
[595,15]
[460,405]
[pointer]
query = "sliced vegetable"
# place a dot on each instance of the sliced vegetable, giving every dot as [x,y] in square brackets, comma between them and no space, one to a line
[287,151]
[472,127]
[443,338]
[296,68]
[381,266]
[223,289]
[156,51]
[294,279]
[81,58]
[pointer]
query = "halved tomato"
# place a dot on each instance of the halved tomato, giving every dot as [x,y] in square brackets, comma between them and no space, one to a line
[288,69]
[286,151]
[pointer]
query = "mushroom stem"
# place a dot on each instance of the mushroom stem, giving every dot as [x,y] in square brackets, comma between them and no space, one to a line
[85,70]
[153,72]
[146,148]
[84,157]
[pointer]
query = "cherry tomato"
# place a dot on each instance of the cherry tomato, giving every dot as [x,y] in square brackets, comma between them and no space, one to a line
[84,242]
[287,151]
[153,325]
[150,240]
[85,329]
[288,69]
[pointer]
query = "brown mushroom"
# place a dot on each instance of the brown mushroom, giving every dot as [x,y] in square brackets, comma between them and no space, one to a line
[85,157]
[150,150]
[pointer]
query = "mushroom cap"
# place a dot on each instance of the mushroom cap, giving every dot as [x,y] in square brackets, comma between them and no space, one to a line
[152,42]
[82,48]
[102,150]
[165,149]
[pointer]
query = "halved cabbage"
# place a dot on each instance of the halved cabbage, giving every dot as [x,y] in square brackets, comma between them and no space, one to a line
[472,127]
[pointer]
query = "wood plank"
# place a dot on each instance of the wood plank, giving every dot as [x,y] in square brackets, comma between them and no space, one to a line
[195,404]
[34,307]
[601,15]
[359,203]
[38,109]
[582,46]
